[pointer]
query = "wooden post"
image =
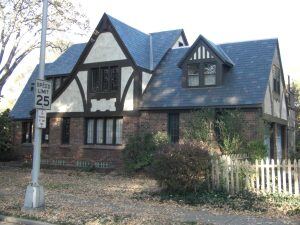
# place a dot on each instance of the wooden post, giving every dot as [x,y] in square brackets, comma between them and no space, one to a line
[257,175]
[217,173]
[273,175]
[279,175]
[262,170]
[268,174]
[296,177]
[290,177]
[226,170]
[284,176]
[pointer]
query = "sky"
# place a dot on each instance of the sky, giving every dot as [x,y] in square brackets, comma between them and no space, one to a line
[218,20]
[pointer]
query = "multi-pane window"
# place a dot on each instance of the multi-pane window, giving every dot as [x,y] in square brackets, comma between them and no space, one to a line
[210,73]
[173,127]
[104,131]
[104,79]
[65,130]
[27,132]
[202,74]
[276,79]
[45,132]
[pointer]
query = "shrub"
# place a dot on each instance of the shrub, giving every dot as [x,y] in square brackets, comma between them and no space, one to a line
[181,168]
[140,148]
[256,150]
[6,153]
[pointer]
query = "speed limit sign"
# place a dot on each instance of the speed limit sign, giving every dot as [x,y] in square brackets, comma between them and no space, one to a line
[43,94]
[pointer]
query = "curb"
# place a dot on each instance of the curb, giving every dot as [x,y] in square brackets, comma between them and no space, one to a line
[15,220]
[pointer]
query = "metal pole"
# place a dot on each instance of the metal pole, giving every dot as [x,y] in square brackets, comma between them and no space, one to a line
[34,197]
[38,131]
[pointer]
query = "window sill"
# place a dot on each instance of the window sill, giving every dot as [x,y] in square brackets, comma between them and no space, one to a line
[110,147]
[65,146]
[203,87]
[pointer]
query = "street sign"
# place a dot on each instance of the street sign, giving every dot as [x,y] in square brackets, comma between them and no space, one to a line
[43,94]
[42,118]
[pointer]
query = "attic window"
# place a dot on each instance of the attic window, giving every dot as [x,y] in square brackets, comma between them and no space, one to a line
[180,44]
[276,79]
[202,74]
[104,79]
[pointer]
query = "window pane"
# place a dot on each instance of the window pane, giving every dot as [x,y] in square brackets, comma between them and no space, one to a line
[114,78]
[210,79]
[100,131]
[109,131]
[65,131]
[119,127]
[193,69]
[96,80]
[210,68]
[193,81]
[173,128]
[90,131]
[105,79]
[57,83]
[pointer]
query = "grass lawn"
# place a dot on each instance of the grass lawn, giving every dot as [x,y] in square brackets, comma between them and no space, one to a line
[74,197]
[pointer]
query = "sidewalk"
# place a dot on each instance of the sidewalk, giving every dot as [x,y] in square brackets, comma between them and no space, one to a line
[8,220]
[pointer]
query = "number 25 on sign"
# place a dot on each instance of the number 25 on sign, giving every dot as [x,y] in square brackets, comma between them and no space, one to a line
[43,94]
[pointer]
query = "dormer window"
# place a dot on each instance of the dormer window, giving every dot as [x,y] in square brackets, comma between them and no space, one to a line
[202,74]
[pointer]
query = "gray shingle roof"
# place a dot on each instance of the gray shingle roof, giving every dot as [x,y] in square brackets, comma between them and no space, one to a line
[244,84]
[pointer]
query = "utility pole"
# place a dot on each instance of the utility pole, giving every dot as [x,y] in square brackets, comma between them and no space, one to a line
[34,198]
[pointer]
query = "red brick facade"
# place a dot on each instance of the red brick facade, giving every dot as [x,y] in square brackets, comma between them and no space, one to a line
[76,153]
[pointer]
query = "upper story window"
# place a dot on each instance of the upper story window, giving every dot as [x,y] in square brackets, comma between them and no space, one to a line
[276,79]
[104,79]
[202,74]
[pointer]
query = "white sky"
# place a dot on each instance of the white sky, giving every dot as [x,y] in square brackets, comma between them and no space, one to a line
[218,20]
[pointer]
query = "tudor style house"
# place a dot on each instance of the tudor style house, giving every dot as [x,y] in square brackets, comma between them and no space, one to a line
[123,81]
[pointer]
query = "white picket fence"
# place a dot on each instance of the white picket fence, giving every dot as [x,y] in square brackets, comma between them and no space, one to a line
[234,174]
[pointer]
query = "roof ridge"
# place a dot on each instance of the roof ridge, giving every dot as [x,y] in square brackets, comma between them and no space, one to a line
[181,29]
[119,21]
[256,40]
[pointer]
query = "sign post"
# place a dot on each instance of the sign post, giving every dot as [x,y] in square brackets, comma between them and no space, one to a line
[34,197]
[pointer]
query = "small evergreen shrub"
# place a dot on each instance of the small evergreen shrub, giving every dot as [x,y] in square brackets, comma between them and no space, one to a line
[140,148]
[181,168]
[256,150]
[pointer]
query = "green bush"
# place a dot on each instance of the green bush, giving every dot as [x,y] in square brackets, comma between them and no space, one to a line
[140,148]
[256,150]
[6,153]
[181,168]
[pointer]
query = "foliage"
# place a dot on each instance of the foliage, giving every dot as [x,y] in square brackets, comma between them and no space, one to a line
[140,148]
[256,150]
[295,88]
[5,131]
[20,27]
[199,125]
[181,167]
[229,126]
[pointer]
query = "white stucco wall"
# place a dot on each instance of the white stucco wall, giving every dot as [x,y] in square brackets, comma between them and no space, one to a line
[180,39]
[145,80]
[272,106]
[69,101]
[103,105]
[82,76]
[128,103]
[105,49]
[125,75]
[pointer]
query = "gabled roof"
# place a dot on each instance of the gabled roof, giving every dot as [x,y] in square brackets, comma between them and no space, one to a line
[64,64]
[138,43]
[243,85]
[61,66]
[215,48]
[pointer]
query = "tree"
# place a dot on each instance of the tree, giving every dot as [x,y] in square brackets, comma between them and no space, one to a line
[20,27]
[295,88]
[5,131]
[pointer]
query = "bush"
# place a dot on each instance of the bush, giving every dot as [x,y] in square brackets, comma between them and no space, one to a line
[256,150]
[5,131]
[181,168]
[140,148]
